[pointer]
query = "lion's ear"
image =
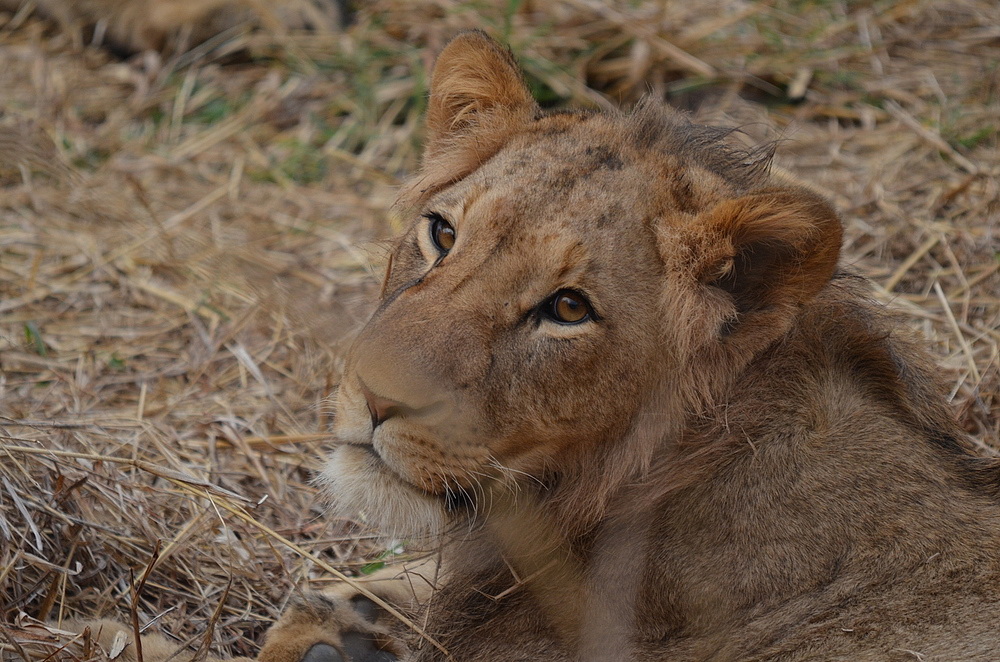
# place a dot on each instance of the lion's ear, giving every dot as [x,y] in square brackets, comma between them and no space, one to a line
[478,100]
[771,249]
[476,88]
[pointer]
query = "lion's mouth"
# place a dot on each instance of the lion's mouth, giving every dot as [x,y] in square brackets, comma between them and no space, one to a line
[380,463]
[368,448]
[454,499]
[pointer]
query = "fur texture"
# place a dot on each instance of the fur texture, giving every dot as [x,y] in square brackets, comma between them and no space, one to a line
[734,457]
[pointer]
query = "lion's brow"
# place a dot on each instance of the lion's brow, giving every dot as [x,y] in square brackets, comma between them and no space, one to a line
[573,260]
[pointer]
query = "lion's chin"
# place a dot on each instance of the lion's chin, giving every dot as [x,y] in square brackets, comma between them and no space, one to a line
[359,483]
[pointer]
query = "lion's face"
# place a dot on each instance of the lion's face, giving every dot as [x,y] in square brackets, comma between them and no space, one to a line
[514,327]
[548,292]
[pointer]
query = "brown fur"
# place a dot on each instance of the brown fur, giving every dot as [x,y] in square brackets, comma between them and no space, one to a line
[739,458]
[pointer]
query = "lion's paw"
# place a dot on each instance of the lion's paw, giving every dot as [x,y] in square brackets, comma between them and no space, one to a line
[322,628]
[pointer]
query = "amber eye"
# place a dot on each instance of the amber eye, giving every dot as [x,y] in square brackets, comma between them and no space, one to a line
[442,233]
[568,307]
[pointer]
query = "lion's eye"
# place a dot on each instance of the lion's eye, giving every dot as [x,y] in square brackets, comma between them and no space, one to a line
[442,233]
[568,307]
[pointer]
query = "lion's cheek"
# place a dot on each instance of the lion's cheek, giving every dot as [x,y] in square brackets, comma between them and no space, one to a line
[358,483]
[564,420]
[431,458]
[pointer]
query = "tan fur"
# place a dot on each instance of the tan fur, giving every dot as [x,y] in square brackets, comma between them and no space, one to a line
[137,25]
[738,459]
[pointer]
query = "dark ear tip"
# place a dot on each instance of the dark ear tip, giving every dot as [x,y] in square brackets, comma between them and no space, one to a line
[474,33]
[471,38]
[468,41]
[322,653]
[478,36]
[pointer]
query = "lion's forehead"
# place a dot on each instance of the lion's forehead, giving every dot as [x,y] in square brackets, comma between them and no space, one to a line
[590,174]
[571,203]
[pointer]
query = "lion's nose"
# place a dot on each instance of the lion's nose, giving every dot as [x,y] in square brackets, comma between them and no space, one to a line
[381,409]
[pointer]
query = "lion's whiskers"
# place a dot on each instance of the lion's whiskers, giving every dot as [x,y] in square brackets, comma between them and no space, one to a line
[508,470]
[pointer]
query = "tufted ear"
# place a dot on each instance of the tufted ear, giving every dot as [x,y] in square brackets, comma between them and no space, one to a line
[770,249]
[476,88]
[478,100]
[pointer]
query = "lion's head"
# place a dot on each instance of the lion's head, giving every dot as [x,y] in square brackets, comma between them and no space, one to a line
[571,288]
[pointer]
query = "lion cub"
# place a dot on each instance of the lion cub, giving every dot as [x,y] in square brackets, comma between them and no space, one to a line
[616,374]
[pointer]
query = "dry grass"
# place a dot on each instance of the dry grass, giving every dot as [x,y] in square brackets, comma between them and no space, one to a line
[185,243]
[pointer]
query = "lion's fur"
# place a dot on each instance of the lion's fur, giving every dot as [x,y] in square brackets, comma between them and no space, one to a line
[741,458]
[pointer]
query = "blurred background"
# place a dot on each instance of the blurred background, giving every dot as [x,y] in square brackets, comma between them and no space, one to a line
[194,209]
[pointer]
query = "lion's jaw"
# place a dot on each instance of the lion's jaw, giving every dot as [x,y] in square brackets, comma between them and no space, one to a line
[361,483]
[404,475]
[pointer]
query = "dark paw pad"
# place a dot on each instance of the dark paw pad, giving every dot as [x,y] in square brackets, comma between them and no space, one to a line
[322,653]
[366,608]
[363,648]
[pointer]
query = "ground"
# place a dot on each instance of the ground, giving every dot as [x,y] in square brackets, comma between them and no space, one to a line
[188,240]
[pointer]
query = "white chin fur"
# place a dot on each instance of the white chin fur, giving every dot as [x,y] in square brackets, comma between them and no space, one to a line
[360,484]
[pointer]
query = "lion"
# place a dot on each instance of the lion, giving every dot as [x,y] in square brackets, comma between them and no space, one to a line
[618,380]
